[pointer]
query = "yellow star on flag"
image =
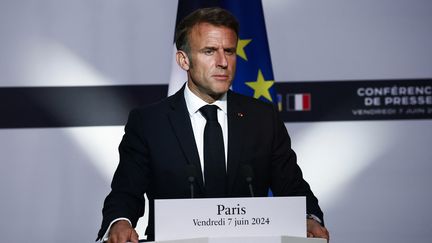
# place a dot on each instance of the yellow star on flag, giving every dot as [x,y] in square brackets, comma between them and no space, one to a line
[261,87]
[240,48]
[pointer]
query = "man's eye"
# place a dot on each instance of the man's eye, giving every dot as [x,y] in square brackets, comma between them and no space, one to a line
[208,52]
[229,52]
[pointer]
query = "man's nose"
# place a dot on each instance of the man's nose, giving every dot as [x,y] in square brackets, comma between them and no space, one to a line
[221,60]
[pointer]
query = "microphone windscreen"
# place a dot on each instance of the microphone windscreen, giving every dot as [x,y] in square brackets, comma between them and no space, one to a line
[247,173]
[190,172]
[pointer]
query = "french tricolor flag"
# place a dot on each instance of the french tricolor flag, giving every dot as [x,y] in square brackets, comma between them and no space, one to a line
[299,102]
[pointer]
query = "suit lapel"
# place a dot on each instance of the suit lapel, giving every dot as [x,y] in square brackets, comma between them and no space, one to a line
[181,124]
[235,138]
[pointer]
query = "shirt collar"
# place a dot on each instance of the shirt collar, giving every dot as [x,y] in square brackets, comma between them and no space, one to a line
[194,103]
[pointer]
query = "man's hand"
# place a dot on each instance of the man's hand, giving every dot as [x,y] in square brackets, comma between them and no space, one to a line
[315,230]
[122,232]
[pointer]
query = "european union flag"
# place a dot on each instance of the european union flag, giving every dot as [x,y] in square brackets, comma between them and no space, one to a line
[254,75]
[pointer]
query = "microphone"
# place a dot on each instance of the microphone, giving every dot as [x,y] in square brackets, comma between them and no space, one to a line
[248,175]
[190,170]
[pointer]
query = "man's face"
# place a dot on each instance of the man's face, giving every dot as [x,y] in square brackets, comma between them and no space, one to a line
[212,60]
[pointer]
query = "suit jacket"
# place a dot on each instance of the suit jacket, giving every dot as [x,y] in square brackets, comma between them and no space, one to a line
[158,147]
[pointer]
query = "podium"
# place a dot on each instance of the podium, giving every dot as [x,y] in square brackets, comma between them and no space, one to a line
[248,239]
[232,220]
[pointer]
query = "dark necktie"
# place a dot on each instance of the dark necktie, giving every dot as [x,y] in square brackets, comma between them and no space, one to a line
[214,155]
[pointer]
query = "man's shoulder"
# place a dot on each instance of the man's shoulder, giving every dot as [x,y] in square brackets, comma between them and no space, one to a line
[153,107]
[149,116]
[159,107]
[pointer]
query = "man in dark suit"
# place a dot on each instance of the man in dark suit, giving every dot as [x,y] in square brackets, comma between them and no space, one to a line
[164,143]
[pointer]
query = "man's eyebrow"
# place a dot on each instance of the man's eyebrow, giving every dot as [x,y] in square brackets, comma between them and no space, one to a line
[209,48]
[212,48]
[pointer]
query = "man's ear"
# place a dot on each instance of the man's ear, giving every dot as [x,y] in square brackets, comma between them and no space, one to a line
[182,60]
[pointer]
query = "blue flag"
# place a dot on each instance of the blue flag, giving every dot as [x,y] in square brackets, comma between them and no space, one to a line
[254,75]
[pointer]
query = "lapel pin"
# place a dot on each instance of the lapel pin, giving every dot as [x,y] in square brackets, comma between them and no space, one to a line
[240,114]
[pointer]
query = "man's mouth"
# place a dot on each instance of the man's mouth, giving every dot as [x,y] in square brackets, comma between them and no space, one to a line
[221,77]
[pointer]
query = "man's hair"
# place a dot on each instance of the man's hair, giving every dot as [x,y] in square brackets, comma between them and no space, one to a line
[214,16]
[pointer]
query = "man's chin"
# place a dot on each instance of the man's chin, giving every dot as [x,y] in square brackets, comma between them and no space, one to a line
[222,88]
[219,92]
